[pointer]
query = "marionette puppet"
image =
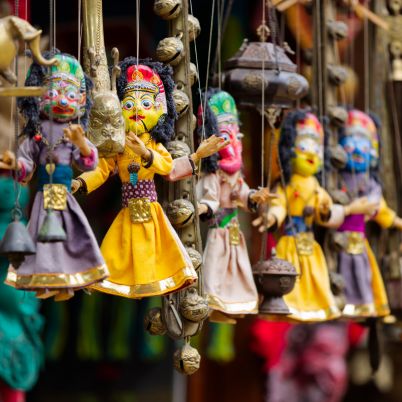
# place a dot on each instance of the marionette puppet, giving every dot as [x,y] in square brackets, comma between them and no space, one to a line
[55,141]
[301,204]
[227,275]
[144,255]
[364,288]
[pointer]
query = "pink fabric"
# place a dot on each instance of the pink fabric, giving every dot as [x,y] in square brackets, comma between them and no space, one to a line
[22,172]
[182,168]
[217,190]
[8,394]
[89,161]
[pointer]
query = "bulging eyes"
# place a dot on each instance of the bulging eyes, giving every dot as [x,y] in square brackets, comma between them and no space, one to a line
[225,137]
[72,95]
[52,93]
[146,104]
[128,105]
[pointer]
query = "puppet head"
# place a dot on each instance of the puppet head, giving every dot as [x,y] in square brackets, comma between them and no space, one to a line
[222,119]
[301,144]
[360,141]
[145,91]
[65,99]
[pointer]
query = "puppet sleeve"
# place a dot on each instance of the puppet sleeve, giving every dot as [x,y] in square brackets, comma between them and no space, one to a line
[28,158]
[385,216]
[86,163]
[182,168]
[161,161]
[94,179]
[209,191]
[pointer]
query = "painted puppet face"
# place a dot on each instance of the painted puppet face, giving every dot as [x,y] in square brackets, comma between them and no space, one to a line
[141,111]
[308,156]
[224,108]
[62,101]
[230,156]
[358,149]
[308,148]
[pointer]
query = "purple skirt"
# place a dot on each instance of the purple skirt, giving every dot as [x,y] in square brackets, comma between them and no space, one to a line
[73,264]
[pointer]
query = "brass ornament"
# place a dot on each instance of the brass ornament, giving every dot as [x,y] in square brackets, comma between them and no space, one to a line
[193,307]
[55,196]
[193,123]
[274,278]
[153,322]
[178,149]
[12,30]
[195,257]
[106,124]
[186,360]
[181,102]
[234,233]
[193,27]
[304,243]
[193,74]
[337,156]
[180,213]
[167,9]
[140,210]
[338,115]
[170,50]
[245,77]
[337,74]
[355,243]
[337,29]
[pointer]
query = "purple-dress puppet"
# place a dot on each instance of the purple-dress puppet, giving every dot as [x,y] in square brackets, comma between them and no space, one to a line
[52,145]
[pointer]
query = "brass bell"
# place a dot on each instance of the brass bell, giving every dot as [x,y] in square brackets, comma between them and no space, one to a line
[337,74]
[181,102]
[337,29]
[167,9]
[193,27]
[193,74]
[186,360]
[153,322]
[170,50]
[193,123]
[51,230]
[178,149]
[180,213]
[195,257]
[338,115]
[338,157]
[17,243]
[193,307]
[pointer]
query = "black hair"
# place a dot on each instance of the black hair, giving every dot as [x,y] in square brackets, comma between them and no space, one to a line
[29,106]
[209,164]
[164,129]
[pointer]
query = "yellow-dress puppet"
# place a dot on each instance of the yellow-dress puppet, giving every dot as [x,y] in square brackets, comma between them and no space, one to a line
[144,255]
[299,205]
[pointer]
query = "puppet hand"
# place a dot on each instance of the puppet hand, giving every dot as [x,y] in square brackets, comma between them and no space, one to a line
[76,135]
[7,160]
[262,196]
[324,208]
[209,147]
[397,223]
[75,186]
[264,222]
[137,146]
[202,208]
[361,206]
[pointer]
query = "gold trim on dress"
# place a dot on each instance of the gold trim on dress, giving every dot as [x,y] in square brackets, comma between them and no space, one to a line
[365,310]
[78,280]
[250,307]
[185,277]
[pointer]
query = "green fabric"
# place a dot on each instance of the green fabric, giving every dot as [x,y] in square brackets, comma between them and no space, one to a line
[221,342]
[226,220]
[223,107]
[21,351]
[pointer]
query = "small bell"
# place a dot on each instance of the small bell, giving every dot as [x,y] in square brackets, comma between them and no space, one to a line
[153,322]
[16,244]
[51,230]
[193,307]
[186,360]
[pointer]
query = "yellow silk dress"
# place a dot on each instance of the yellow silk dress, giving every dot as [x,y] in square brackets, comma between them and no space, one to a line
[311,300]
[144,259]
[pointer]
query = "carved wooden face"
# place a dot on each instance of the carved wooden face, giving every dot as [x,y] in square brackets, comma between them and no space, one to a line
[106,124]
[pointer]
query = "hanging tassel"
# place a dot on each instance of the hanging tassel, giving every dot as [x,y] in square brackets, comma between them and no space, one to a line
[133,168]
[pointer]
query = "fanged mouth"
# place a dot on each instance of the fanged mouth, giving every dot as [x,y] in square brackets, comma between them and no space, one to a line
[60,110]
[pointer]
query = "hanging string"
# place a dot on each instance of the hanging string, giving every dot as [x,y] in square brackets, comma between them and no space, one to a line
[366,64]
[351,51]
[79,31]
[208,64]
[219,44]
[52,23]
[137,33]
[263,23]
[298,47]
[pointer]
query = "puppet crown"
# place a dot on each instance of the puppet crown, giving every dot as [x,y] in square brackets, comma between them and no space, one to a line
[143,78]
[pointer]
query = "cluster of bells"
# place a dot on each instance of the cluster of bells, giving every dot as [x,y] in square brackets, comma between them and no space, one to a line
[17,242]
